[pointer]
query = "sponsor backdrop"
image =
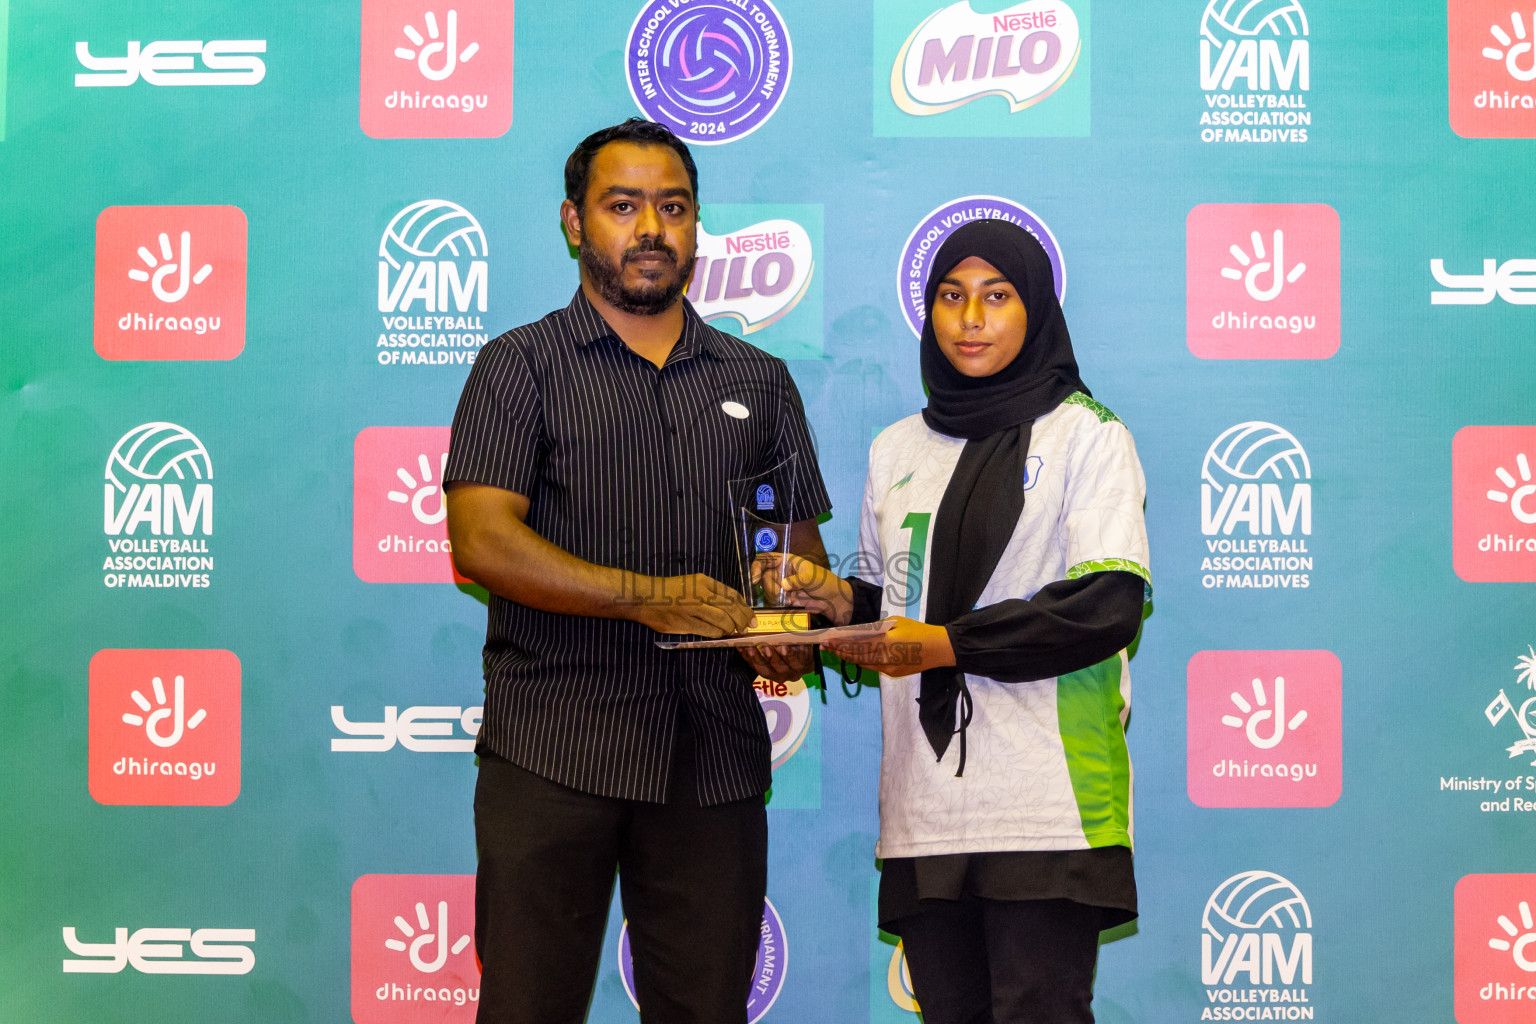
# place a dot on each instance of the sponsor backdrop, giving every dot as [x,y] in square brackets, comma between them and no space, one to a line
[251,253]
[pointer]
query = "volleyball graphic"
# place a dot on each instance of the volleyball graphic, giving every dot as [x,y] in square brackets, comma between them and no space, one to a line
[432,229]
[1253,900]
[156,451]
[1225,19]
[1255,451]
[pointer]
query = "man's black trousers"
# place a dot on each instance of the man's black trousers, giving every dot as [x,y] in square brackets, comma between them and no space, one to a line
[692,881]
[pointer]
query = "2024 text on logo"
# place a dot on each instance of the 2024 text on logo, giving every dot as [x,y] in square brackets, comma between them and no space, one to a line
[164,727]
[434,70]
[1262,281]
[170,282]
[1265,729]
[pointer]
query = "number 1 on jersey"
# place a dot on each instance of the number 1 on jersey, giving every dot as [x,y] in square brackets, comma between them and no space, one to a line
[917,550]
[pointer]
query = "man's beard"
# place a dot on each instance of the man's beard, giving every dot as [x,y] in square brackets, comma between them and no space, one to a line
[647,299]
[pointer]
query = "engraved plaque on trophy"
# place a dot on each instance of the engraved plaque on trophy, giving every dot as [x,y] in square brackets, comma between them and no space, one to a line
[760,517]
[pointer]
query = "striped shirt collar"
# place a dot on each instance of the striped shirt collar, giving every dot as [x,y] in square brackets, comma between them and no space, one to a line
[587,325]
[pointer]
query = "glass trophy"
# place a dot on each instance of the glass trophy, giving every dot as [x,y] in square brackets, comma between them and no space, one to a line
[760,509]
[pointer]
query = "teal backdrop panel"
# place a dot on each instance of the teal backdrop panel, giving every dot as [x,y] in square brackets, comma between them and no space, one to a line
[1298,238]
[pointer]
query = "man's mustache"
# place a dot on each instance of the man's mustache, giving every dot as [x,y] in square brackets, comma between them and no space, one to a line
[651,245]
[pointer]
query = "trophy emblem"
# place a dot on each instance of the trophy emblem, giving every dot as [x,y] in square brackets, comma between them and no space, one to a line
[760,518]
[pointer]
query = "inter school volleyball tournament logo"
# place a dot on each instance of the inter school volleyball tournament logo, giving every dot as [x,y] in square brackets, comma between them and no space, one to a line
[1492,68]
[712,71]
[1262,281]
[1495,949]
[170,282]
[399,516]
[1256,947]
[787,710]
[955,56]
[1256,510]
[1493,504]
[433,70]
[932,230]
[433,280]
[158,509]
[767,973]
[164,727]
[1255,71]
[413,954]
[1265,729]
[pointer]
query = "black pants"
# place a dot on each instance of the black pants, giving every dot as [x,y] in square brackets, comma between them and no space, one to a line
[692,881]
[980,961]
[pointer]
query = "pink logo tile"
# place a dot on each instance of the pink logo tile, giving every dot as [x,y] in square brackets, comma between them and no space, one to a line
[413,951]
[164,727]
[1262,281]
[1493,68]
[399,521]
[436,71]
[1495,949]
[1493,504]
[170,282]
[1265,728]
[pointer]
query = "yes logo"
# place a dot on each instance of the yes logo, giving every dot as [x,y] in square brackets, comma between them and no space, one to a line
[399,521]
[1493,504]
[164,727]
[1495,949]
[170,282]
[424,729]
[1265,729]
[174,62]
[160,951]
[1514,281]
[1262,281]
[412,946]
[436,71]
[1492,68]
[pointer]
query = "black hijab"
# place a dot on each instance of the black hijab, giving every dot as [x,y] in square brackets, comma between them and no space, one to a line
[985,495]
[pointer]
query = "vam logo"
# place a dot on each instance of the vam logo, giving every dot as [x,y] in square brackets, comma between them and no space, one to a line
[1262,281]
[1256,509]
[431,71]
[158,509]
[932,230]
[160,951]
[1255,67]
[712,71]
[1256,933]
[1514,281]
[433,278]
[1493,504]
[1495,950]
[411,946]
[1265,729]
[164,727]
[170,282]
[174,62]
[425,729]
[767,973]
[1492,69]
[399,520]
[755,276]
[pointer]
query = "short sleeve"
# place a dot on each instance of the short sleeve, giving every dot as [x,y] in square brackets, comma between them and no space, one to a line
[498,424]
[1104,517]
[794,438]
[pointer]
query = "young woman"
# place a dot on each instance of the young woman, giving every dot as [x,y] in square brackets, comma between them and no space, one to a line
[1003,528]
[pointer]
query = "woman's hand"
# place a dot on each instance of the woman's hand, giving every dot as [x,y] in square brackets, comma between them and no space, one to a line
[792,580]
[909,646]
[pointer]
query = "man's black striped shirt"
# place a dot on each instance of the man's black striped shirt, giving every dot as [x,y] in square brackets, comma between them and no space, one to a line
[626,465]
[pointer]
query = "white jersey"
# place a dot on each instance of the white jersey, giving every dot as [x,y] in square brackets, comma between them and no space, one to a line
[1046,765]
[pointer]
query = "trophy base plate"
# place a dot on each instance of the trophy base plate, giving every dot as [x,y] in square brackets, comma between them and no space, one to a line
[779,620]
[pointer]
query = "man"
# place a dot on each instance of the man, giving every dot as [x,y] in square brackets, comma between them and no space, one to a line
[587,491]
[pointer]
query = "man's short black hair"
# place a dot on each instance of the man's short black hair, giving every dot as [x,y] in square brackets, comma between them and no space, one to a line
[637,130]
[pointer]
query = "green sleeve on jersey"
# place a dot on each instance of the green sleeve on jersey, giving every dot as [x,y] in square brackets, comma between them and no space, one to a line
[1089,706]
[1112,565]
[1098,409]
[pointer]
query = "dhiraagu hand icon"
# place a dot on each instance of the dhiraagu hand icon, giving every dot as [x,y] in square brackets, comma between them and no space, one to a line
[174,711]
